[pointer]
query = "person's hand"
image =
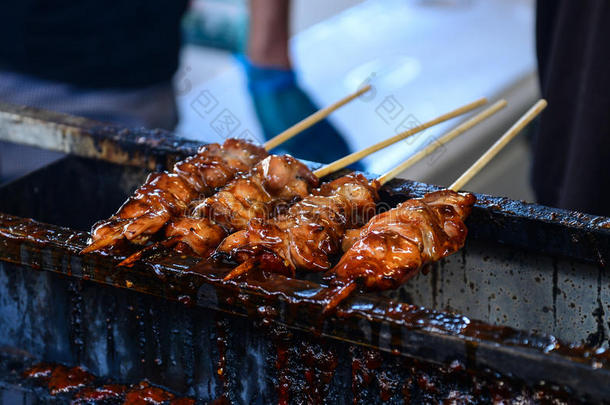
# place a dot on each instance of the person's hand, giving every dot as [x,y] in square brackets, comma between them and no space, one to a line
[280,103]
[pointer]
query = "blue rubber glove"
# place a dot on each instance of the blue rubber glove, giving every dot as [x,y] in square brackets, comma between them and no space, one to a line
[280,103]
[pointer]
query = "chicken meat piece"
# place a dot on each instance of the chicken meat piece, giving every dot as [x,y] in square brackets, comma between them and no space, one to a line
[394,245]
[274,181]
[200,234]
[310,233]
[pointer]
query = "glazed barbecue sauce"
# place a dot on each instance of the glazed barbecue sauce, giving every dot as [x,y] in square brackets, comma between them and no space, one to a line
[426,382]
[60,379]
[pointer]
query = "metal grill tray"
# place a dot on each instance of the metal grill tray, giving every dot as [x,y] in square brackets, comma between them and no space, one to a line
[527,272]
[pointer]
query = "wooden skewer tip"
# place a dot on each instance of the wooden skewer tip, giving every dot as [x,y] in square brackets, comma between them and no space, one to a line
[354,157]
[339,295]
[449,136]
[313,119]
[513,131]
[241,269]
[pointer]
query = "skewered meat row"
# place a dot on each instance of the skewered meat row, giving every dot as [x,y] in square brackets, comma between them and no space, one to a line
[275,180]
[310,233]
[272,184]
[383,254]
[151,207]
[167,194]
[394,245]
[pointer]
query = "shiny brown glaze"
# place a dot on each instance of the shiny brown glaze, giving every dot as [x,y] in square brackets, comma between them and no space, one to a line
[64,379]
[104,393]
[61,379]
[167,194]
[146,394]
[200,235]
[394,245]
[39,371]
[272,183]
[310,233]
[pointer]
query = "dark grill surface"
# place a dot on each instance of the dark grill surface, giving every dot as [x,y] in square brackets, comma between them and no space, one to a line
[527,272]
[125,336]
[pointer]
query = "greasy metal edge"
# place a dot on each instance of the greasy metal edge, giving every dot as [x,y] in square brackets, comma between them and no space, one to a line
[528,226]
[365,320]
[148,148]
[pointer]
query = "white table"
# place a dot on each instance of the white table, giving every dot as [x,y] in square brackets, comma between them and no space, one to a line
[424,58]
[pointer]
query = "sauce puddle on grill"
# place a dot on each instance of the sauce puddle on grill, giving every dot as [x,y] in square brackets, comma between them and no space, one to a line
[85,388]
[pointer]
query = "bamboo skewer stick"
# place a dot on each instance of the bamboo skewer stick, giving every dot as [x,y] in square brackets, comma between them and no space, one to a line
[130,260]
[241,269]
[313,119]
[361,154]
[449,136]
[349,159]
[500,143]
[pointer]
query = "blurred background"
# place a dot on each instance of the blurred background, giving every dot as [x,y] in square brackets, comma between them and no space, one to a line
[422,57]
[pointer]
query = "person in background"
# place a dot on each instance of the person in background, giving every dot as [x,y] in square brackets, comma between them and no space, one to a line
[114,61]
[111,60]
[278,100]
[572,145]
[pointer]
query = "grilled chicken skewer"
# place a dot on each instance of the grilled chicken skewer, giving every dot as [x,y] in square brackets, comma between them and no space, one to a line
[167,194]
[394,245]
[309,235]
[271,184]
[276,181]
